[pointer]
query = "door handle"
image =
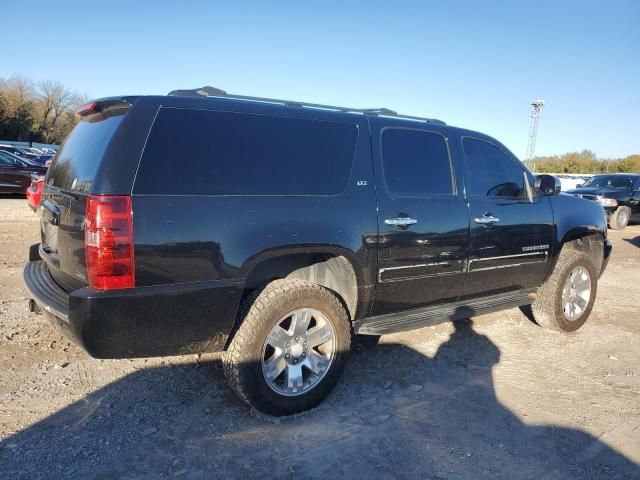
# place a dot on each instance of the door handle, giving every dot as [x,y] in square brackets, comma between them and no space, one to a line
[486,219]
[400,221]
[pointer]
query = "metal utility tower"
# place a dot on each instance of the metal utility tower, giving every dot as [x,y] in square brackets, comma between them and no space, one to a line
[536,110]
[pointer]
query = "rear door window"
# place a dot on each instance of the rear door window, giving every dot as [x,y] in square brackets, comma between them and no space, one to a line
[416,163]
[203,152]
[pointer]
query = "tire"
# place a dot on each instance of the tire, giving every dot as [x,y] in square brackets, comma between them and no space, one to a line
[620,218]
[265,315]
[548,308]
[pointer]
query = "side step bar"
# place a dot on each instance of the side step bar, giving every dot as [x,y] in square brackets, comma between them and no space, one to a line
[427,316]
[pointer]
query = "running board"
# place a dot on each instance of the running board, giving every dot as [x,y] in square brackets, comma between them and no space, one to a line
[433,315]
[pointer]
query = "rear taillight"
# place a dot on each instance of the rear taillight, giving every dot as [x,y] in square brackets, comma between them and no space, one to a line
[108,242]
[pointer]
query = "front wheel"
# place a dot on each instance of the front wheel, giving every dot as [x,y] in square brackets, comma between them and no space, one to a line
[290,349]
[565,300]
[620,218]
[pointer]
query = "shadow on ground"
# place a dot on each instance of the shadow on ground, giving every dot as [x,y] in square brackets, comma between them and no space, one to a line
[439,418]
[635,241]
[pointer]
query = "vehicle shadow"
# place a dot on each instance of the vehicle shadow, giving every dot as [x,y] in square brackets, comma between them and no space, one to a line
[635,241]
[397,413]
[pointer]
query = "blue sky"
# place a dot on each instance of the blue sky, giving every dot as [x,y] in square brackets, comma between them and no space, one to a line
[475,64]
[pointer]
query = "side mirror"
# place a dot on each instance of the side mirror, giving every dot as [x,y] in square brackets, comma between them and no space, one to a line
[578,185]
[548,184]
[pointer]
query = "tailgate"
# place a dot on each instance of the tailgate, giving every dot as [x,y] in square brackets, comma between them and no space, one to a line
[67,184]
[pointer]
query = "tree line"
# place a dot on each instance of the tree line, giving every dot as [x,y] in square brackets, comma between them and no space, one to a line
[45,112]
[36,111]
[585,162]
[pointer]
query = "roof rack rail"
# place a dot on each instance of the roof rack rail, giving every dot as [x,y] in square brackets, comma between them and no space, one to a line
[382,112]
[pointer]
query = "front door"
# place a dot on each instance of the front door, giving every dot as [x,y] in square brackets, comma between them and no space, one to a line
[511,236]
[423,220]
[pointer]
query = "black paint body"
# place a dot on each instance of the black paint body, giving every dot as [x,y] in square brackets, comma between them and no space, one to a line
[195,253]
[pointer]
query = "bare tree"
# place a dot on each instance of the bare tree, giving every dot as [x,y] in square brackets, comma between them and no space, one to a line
[16,106]
[54,100]
[18,91]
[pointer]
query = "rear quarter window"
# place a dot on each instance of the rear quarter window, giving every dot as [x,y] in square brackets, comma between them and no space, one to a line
[76,163]
[203,152]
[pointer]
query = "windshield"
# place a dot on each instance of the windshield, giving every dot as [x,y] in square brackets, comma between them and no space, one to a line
[12,159]
[618,182]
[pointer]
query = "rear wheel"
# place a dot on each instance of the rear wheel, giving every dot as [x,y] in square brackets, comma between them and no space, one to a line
[290,348]
[620,218]
[565,300]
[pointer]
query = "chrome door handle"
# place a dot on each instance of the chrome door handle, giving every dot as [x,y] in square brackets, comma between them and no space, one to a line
[400,221]
[486,219]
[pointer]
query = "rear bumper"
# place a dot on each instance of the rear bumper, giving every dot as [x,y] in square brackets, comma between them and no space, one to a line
[139,322]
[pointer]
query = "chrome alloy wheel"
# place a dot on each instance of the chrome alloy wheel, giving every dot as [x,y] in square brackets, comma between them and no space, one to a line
[298,352]
[576,293]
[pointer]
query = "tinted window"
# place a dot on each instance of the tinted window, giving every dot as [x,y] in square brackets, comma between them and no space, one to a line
[416,163]
[490,171]
[6,161]
[619,182]
[221,153]
[80,155]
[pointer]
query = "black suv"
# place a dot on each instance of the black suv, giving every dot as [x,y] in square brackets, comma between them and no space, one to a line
[618,193]
[276,230]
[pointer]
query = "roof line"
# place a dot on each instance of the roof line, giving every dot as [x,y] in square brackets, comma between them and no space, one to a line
[212,92]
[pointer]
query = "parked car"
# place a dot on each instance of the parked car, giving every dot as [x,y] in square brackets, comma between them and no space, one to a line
[27,153]
[49,151]
[11,149]
[34,192]
[16,173]
[42,159]
[20,152]
[276,230]
[569,182]
[618,193]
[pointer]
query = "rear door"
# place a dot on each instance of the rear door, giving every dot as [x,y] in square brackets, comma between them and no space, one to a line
[423,220]
[511,237]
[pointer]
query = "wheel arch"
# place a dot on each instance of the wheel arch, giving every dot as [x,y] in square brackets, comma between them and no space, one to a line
[588,240]
[334,268]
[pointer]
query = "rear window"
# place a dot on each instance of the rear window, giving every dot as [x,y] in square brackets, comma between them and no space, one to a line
[202,152]
[77,161]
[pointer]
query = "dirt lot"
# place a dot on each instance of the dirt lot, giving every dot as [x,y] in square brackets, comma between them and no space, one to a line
[497,397]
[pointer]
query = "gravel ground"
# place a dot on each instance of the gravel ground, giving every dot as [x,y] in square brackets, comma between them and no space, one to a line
[496,397]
